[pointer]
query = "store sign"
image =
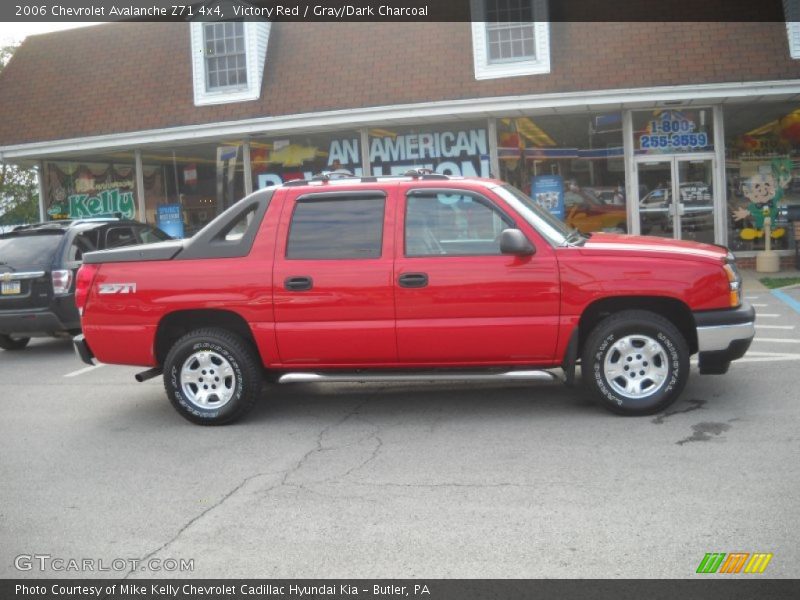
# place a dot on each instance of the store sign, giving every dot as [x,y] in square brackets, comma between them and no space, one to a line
[169,219]
[106,203]
[673,132]
[548,192]
[464,152]
[453,152]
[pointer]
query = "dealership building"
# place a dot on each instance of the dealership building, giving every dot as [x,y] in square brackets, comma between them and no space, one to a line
[688,130]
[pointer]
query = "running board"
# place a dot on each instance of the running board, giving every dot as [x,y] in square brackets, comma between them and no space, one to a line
[535,375]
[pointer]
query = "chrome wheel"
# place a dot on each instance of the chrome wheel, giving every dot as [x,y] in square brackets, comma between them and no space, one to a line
[636,366]
[207,380]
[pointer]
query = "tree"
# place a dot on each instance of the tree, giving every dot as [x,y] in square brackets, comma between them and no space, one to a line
[19,195]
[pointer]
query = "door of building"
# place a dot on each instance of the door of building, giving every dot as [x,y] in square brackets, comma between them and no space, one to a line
[675,196]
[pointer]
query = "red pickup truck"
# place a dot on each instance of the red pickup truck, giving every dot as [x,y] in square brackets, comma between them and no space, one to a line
[415,277]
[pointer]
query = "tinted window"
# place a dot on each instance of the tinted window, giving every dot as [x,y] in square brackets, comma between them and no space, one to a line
[337,228]
[239,227]
[116,237]
[79,246]
[150,235]
[29,249]
[447,224]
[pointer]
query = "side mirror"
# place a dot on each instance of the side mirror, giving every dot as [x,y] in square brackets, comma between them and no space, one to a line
[513,241]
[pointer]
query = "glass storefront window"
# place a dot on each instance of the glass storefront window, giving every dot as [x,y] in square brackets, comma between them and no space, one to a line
[571,165]
[91,187]
[187,186]
[762,172]
[286,158]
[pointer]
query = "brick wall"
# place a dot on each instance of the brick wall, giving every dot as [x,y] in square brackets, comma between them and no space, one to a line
[123,77]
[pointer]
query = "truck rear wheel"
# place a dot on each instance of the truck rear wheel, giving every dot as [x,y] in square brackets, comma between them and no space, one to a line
[9,343]
[212,376]
[635,363]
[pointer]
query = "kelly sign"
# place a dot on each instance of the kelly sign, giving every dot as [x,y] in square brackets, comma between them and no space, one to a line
[103,204]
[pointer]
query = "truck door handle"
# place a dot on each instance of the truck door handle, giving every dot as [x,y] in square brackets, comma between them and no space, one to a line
[298,284]
[413,280]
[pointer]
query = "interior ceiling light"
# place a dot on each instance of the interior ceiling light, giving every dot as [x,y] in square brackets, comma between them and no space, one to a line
[375,132]
[530,130]
[772,125]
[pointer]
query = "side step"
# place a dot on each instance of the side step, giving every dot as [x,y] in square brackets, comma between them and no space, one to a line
[384,377]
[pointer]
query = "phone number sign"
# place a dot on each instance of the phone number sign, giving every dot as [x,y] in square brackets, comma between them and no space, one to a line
[673,133]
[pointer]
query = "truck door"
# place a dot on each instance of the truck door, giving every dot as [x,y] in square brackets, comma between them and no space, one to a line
[459,300]
[333,292]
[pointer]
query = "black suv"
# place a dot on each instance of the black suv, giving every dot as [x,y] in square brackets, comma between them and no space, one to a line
[38,264]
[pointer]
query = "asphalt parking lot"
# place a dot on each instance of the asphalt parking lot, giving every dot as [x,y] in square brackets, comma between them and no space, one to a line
[326,480]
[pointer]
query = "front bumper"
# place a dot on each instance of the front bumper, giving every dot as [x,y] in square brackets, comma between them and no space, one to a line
[82,349]
[723,336]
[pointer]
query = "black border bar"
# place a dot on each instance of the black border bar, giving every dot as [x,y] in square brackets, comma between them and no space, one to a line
[643,11]
[706,587]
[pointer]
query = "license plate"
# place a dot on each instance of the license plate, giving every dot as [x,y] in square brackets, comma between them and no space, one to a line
[10,288]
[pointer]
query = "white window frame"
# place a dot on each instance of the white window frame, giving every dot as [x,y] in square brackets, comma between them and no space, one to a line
[256,39]
[484,69]
[234,87]
[791,12]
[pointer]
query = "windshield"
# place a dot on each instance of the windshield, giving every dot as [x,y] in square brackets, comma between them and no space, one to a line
[28,249]
[545,223]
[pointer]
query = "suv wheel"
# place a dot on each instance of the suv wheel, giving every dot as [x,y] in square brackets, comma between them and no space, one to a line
[635,363]
[9,343]
[212,376]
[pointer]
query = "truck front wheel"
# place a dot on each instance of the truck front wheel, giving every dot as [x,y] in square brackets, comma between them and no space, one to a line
[635,363]
[212,376]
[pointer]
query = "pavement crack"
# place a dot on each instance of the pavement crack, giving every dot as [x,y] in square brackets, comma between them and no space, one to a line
[695,405]
[197,517]
[318,446]
[375,452]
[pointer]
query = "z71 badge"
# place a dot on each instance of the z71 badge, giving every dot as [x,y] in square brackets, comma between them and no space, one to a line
[117,288]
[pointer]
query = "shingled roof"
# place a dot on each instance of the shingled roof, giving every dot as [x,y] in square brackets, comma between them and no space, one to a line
[125,77]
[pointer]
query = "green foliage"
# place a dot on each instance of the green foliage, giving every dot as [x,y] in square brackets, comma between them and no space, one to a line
[19,194]
[778,282]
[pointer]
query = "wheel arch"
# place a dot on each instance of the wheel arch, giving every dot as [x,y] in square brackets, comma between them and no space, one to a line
[175,325]
[674,310]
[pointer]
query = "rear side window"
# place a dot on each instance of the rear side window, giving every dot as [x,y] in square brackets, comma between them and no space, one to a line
[117,237]
[27,250]
[79,246]
[150,235]
[336,228]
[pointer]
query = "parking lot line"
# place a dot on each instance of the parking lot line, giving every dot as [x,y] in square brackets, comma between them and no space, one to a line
[768,357]
[774,326]
[768,315]
[787,299]
[761,305]
[776,340]
[84,370]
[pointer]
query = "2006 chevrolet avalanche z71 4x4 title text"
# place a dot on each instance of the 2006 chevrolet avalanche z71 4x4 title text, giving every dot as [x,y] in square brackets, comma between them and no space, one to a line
[415,277]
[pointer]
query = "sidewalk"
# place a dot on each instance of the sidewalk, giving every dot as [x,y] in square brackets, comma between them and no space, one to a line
[789,295]
[751,276]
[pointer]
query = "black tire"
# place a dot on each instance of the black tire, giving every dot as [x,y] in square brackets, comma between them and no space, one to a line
[222,352]
[9,343]
[609,360]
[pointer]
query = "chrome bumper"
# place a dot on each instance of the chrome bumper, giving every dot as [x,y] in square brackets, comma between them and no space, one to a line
[723,336]
[720,337]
